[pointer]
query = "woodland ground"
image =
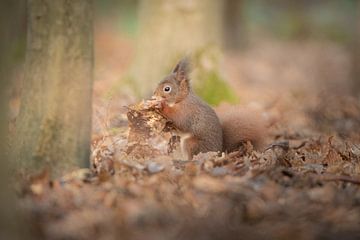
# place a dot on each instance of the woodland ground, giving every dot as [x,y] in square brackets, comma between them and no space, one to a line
[306,185]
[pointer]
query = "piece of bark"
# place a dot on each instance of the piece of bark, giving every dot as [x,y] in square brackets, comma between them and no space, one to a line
[149,131]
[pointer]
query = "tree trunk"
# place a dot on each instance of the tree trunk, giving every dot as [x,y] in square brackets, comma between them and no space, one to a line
[169,30]
[234,24]
[12,223]
[356,56]
[54,124]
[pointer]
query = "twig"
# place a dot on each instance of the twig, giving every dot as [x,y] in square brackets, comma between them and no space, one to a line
[300,145]
[342,178]
[284,145]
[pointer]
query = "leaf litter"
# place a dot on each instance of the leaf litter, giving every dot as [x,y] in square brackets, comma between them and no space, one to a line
[304,185]
[299,187]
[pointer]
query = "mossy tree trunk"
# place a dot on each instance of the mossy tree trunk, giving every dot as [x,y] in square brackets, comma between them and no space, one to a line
[171,29]
[12,222]
[54,123]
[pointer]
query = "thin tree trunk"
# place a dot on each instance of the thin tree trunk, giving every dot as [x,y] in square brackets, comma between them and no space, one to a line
[54,123]
[356,56]
[234,24]
[169,30]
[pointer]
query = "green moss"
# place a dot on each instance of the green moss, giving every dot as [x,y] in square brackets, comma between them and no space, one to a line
[214,90]
[208,82]
[114,130]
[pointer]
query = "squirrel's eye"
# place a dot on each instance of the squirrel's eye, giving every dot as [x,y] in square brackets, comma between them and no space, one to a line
[167,89]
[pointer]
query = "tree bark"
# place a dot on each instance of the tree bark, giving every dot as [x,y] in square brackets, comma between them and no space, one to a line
[54,124]
[234,24]
[169,30]
[356,56]
[12,221]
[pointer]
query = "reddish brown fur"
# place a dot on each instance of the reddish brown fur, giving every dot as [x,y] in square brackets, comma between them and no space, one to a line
[199,123]
[191,147]
[195,117]
[241,125]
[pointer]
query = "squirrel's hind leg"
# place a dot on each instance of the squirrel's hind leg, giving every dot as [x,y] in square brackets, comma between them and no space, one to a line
[189,146]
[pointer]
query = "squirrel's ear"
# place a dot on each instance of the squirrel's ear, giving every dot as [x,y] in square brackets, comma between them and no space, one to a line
[182,69]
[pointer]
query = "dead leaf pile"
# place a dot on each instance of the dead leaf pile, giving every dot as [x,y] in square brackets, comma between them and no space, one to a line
[300,187]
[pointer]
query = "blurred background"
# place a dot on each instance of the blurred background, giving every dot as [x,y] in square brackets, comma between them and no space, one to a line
[257,52]
[299,59]
[296,61]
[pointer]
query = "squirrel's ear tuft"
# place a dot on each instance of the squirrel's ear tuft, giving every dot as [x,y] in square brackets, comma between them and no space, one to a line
[182,69]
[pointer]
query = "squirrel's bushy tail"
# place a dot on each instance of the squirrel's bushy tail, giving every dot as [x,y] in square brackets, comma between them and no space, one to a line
[240,125]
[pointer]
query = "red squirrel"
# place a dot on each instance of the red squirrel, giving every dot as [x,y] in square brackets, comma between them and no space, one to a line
[202,129]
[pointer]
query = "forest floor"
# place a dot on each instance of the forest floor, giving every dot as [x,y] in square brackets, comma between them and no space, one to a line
[305,185]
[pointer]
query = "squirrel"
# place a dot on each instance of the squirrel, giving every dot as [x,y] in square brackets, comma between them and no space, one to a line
[202,129]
